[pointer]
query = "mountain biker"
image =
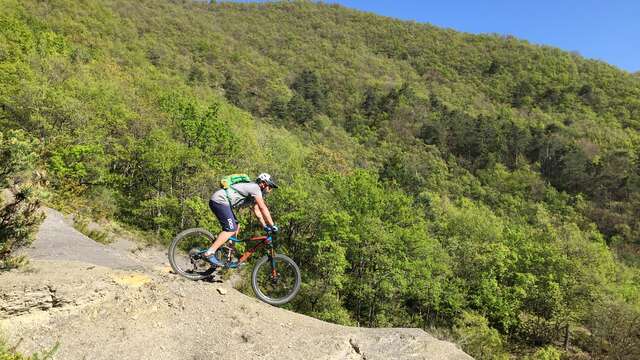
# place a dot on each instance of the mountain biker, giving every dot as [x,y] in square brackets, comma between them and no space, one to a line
[240,195]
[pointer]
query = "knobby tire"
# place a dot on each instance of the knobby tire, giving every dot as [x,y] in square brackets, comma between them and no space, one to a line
[260,290]
[173,248]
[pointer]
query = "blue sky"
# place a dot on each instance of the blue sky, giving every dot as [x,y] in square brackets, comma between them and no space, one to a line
[603,30]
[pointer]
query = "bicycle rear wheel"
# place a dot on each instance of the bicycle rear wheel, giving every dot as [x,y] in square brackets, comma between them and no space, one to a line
[185,254]
[276,282]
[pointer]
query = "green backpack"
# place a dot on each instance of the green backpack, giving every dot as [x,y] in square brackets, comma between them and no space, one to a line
[227,181]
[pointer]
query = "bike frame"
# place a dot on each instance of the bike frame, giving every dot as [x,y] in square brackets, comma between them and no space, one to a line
[262,242]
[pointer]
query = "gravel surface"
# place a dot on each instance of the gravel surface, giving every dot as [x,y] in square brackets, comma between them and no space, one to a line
[57,240]
[105,302]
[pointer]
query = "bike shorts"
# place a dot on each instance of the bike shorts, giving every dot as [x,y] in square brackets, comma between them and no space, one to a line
[225,216]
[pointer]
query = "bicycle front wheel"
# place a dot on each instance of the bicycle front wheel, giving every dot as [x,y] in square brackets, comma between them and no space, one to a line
[276,280]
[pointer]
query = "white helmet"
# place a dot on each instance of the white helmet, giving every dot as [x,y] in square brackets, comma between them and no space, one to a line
[267,179]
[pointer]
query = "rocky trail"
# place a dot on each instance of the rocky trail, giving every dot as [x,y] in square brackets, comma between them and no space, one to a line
[121,302]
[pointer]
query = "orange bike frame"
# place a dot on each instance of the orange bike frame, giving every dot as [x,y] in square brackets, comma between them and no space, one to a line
[262,241]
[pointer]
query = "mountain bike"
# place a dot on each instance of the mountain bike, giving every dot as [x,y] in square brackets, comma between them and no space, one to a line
[275,278]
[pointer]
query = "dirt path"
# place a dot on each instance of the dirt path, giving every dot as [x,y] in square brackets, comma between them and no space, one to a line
[57,240]
[118,305]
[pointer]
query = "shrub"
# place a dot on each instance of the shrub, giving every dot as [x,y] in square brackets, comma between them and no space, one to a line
[546,353]
[473,333]
[19,217]
[615,331]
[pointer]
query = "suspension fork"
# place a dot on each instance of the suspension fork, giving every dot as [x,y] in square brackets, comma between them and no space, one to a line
[272,255]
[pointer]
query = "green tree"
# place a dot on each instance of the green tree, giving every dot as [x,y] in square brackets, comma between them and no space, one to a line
[310,87]
[232,90]
[477,338]
[19,217]
[300,110]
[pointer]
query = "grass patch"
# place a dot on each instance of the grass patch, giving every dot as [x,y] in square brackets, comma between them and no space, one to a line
[13,262]
[8,352]
[82,224]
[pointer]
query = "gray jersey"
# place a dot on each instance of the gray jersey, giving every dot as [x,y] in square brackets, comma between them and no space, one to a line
[245,195]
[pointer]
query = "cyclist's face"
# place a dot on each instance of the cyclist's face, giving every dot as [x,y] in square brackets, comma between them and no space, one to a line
[266,188]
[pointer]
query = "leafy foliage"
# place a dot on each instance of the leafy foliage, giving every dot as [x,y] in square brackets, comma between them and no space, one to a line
[19,217]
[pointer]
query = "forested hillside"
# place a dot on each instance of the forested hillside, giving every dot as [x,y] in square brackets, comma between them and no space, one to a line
[477,186]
